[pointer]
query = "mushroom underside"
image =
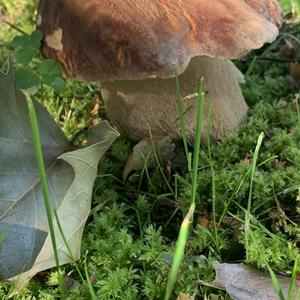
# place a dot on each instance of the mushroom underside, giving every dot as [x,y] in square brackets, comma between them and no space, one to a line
[137,107]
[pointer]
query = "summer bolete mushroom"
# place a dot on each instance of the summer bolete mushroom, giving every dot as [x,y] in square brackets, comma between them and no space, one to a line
[133,48]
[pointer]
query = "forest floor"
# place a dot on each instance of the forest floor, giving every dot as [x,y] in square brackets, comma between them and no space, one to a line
[130,236]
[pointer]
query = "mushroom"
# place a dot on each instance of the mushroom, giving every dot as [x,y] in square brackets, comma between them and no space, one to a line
[133,47]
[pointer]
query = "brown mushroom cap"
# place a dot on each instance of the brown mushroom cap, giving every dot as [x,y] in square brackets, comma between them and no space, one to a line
[130,39]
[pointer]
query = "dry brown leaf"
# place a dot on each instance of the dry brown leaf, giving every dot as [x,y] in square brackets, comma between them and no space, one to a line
[278,164]
[245,283]
[295,73]
[144,153]
[247,161]
[288,49]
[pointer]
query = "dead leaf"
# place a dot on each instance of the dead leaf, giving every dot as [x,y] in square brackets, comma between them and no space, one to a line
[295,73]
[95,111]
[27,248]
[246,283]
[95,119]
[247,161]
[144,154]
[288,50]
[277,164]
[205,222]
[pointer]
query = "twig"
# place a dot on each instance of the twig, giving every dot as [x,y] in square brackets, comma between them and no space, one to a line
[16,28]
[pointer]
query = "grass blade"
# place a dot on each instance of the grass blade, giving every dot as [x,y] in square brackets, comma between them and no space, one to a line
[196,155]
[293,279]
[41,167]
[253,170]
[179,251]
[185,226]
[276,284]
[89,283]
[182,121]
[68,246]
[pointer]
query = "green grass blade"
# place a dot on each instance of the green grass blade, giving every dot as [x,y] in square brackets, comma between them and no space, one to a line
[89,283]
[251,67]
[253,170]
[41,167]
[3,235]
[196,156]
[179,251]
[185,226]
[68,246]
[213,179]
[293,279]
[276,284]
[159,164]
[182,121]
[237,190]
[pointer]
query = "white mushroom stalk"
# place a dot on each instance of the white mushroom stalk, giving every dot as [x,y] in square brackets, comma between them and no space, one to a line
[139,105]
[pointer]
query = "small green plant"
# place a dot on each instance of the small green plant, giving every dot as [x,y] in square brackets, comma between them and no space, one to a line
[293,293]
[188,220]
[32,70]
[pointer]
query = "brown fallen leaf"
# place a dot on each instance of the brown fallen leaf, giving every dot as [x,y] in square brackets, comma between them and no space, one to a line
[246,161]
[94,114]
[143,153]
[278,164]
[288,49]
[294,76]
[95,110]
[246,283]
[71,284]
[205,222]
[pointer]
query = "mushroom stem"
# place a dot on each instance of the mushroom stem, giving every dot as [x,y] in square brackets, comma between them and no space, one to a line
[139,105]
